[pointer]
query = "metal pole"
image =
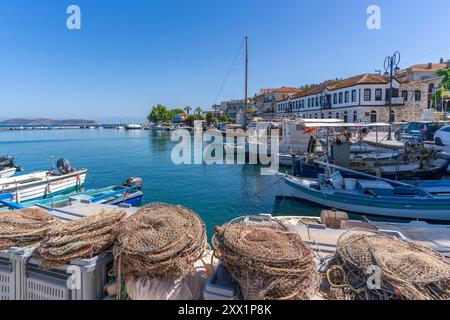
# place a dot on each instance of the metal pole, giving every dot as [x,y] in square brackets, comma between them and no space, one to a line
[391,63]
[389,138]
[246,81]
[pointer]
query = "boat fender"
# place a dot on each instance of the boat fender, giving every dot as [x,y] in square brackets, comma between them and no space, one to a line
[333,218]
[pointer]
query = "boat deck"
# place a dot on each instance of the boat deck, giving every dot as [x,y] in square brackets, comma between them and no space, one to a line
[80,210]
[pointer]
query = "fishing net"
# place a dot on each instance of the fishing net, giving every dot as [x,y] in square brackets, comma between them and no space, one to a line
[158,242]
[25,227]
[82,238]
[369,265]
[268,261]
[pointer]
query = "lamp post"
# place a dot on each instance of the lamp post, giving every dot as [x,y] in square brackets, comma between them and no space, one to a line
[391,65]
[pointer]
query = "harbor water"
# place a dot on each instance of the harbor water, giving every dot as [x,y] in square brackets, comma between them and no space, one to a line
[218,193]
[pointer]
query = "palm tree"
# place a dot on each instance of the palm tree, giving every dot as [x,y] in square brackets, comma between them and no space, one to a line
[199,110]
[187,109]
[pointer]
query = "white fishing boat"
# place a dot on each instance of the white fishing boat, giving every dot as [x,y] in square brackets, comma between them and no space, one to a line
[8,172]
[133,126]
[44,184]
[7,167]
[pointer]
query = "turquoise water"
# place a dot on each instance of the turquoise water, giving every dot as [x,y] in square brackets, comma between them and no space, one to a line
[218,193]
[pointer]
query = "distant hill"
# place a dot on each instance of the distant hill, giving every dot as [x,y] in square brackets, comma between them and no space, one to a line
[44,121]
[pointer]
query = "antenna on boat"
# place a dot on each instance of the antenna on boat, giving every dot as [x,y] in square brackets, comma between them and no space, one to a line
[246,82]
[52,164]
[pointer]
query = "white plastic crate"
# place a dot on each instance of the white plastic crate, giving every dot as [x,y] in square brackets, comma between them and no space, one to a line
[7,277]
[11,263]
[220,286]
[82,279]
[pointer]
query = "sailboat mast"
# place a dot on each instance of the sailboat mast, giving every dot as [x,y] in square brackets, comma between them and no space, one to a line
[246,81]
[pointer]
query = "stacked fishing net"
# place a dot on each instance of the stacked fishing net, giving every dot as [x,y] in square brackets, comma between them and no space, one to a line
[159,241]
[25,227]
[82,238]
[369,265]
[267,260]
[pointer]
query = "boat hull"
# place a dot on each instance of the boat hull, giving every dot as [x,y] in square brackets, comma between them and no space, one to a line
[406,208]
[45,188]
[7,173]
[436,173]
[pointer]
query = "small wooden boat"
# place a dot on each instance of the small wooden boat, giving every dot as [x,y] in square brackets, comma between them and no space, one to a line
[44,184]
[129,193]
[426,200]
[8,167]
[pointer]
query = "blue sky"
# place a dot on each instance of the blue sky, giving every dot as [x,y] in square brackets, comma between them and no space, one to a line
[130,55]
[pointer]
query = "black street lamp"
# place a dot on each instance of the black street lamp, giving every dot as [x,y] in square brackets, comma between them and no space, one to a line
[391,65]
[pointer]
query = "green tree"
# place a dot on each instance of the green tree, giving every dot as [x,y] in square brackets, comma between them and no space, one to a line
[210,119]
[187,109]
[199,110]
[159,113]
[162,113]
[192,118]
[446,74]
[223,117]
[445,85]
[176,111]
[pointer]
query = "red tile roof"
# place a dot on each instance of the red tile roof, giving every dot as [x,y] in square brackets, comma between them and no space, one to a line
[366,78]
[427,67]
[278,90]
[284,89]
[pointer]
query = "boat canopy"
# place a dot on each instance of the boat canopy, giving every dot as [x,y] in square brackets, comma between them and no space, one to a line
[322,124]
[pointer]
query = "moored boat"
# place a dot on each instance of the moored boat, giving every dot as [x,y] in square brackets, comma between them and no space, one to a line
[44,183]
[133,126]
[427,200]
[433,170]
[7,167]
[129,193]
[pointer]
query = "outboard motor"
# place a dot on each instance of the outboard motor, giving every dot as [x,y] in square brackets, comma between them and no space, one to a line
[134,182]
[64,166]
[7,162]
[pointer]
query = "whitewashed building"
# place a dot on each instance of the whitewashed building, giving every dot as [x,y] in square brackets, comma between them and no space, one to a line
[363,98]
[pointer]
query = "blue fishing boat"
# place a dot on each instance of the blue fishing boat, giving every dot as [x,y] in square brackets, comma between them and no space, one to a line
[130,192]
[434,170]
[424,200]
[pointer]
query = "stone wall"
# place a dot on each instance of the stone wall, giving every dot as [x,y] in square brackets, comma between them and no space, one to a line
[413,110]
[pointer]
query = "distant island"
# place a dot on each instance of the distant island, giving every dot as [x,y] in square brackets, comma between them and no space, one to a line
[44,121]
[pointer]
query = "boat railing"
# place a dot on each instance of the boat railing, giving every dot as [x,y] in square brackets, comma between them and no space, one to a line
[6,199]
[124,190]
